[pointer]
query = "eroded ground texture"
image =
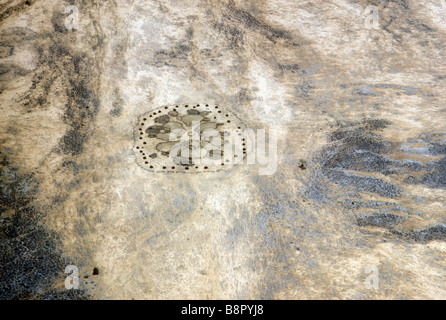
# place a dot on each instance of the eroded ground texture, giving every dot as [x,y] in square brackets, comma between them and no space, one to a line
[355,210]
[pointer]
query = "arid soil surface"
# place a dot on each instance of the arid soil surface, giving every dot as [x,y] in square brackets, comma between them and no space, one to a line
[355,208]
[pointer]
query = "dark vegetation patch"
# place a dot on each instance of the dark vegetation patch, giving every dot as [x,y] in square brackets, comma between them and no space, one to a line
[430,233]
[382,219]
[31,261]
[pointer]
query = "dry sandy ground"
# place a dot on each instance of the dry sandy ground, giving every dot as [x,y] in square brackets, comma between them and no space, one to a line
[355,210]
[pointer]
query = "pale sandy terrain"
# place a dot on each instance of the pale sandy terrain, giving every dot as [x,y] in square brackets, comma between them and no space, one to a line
[355,210]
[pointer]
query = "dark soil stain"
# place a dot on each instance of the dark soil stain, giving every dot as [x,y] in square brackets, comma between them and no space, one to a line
[245,18]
